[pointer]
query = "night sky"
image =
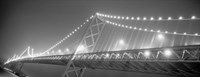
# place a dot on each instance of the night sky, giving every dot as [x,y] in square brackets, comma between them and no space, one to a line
[40,24]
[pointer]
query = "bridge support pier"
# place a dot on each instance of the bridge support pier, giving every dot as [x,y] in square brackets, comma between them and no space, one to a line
[77,71]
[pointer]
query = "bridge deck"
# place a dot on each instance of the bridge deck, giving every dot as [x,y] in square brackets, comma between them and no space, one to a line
[181,63]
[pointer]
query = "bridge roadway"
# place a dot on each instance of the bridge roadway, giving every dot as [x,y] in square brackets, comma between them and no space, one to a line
[184,60]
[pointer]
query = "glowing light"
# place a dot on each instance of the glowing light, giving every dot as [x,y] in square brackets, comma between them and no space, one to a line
[111,16]
[97,13]
[130,27]
[122,17]
[118,17]
[121,42]
[185,33]
[147,53]
[91,17]
[174,32]
[126,26]
[166,31]
[169,18]
[158,31]
[127,18]
[151,18]
[81,48]
[180,18]
[122,25]
[160,18]
[67,49]
[114,17]
[193,17]
[132,18]
[140,28]
[135,28]
[144,18]
[160,36]
[151,30]
[108,16]
[167,52]
[138,18]
[145,29]
[196,34]
[59,51]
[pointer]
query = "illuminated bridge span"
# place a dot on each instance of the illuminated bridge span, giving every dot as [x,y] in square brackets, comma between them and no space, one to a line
[156,51]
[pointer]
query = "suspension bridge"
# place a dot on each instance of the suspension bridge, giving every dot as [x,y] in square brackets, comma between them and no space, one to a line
[134,44]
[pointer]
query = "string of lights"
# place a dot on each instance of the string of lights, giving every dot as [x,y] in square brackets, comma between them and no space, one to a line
[15,57]
[146,18]
[150,30]
[143,54]
[68,36]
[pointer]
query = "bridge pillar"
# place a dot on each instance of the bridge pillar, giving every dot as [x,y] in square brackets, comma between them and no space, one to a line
[77,71]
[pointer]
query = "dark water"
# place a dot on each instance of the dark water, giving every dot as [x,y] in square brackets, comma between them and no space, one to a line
[43,70]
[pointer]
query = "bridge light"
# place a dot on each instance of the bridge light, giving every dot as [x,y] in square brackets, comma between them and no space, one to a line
[130,27]
[135,28]
[118,17]
[122,17]
[158,31]
[185,33]
[147,53]
[160,18]
[126,26]
[121,42]
[151,18]
[175,33]
[111,16]
[108,16]
[92,17]
[59,51]
[97,13]
[138,18]
[166,31]
[81,48]
[114,17]
[119,25]
[196,34]
[180,18]
[105,15]
[53,52]
[160,37]
[169,18]
[132,18]
[145,29]
[144,18]
[127,18]
[193,17]
[167,52]
[67,49]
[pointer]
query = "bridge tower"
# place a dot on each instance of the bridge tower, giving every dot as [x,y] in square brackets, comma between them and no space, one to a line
[87,44]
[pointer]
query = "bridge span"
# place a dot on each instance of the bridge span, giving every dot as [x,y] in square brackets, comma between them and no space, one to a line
[180,61]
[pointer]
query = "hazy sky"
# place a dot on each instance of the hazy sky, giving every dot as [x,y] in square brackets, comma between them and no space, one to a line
[41,23]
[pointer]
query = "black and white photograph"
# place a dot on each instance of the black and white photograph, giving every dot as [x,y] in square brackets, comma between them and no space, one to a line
[100,38]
